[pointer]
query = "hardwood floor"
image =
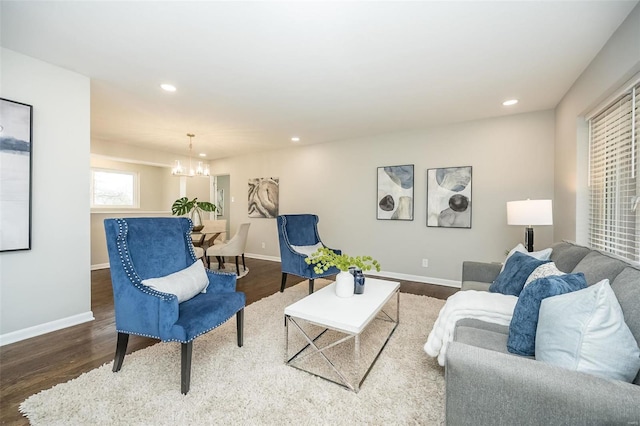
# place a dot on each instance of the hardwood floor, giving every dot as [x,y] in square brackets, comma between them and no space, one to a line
[32,365]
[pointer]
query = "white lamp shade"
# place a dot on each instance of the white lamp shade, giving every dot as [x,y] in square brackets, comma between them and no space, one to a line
[530,212]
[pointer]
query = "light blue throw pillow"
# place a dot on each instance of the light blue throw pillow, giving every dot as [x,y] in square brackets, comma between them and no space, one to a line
[522,329]
[585,331]
[516,271]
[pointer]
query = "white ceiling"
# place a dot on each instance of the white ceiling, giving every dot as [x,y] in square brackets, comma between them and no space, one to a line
[250,75]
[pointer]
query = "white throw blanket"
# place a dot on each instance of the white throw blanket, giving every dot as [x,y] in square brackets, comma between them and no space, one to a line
[490,307]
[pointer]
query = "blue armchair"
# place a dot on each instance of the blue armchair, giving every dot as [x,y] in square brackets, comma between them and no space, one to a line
[295,231]
[144,248]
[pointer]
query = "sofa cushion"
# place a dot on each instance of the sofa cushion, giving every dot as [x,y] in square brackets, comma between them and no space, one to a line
[522,330]
[597,266]
[585,331]
[626,286]
[492,339]
[516,271]
[567,255]
[475,285]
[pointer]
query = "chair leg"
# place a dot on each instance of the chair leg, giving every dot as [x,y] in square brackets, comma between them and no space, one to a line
[310,285]
[237,267]
[121,350]
[187,348]
[220,262]
[244,265]
[240,326]
[284,281]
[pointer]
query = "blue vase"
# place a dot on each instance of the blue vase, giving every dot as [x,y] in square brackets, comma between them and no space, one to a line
[358,282]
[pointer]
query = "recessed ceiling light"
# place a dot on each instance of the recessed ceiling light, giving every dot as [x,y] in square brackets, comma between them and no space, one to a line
[202,154]
[168,87]
[510,102]
[295,139]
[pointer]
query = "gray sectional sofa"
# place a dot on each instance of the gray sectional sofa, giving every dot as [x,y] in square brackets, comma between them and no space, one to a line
[487,385]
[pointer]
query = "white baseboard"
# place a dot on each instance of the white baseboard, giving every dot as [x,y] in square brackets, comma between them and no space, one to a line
[262,257]
[416,278]
[384,274]
[100,266]
[37,330]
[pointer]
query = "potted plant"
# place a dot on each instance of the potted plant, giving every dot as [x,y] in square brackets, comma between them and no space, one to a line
[324,258]
[183,206]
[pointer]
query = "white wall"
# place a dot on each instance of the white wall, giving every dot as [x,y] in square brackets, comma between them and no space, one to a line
[158,190]
[512,158]
[617,62]
[49,286]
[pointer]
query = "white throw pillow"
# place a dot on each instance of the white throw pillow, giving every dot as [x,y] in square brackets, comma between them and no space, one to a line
[544,270]
[185,284]
[307,250]
[540,255]
[585,331]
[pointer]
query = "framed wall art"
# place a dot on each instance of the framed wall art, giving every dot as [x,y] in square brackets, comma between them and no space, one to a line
[15,175]
[395,193]
[449,197]
[264,197]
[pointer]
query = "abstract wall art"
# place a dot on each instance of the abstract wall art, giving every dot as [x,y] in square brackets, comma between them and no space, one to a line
[395,193]
[449,197]
[15,175]
[220,202]
[263,197]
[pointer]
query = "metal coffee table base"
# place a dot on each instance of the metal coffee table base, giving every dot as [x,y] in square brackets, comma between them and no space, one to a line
[311,348]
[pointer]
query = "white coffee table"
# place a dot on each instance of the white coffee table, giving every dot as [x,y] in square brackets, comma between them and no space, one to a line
[349,317]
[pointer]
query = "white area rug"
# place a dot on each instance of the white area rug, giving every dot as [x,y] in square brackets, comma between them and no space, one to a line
[252,385]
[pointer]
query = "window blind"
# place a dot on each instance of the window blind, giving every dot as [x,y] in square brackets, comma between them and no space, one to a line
[614,208]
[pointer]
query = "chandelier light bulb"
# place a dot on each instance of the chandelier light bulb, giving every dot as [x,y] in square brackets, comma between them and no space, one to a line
[201,169]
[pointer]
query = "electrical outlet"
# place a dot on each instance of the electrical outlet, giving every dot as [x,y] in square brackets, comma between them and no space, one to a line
[263,245]
[425,263]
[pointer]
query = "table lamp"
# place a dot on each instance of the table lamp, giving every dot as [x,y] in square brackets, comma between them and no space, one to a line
[529,213]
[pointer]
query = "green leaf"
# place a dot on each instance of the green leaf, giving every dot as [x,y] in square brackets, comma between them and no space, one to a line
[205,205]
[182,206]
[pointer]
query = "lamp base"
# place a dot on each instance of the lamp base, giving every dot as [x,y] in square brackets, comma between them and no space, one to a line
[528,238]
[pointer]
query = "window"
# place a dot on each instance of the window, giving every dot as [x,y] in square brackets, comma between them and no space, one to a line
[114,188]
[614,210]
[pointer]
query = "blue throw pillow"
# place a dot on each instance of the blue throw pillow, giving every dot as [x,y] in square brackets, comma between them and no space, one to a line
[522,330]
[516,271]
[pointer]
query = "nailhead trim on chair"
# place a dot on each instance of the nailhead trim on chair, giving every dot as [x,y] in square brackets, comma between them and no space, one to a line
[138,334]
[177,340]
[123,252]
[201,333]
[190,241]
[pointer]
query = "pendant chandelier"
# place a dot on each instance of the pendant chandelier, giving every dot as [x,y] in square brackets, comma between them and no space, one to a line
[179,170]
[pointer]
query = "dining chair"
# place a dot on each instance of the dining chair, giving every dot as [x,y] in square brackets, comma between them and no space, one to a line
[215,232]
[234,247]
[299,238]
[161,291]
